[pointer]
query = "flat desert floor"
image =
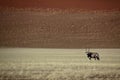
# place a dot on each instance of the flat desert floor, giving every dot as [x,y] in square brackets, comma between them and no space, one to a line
[58,64]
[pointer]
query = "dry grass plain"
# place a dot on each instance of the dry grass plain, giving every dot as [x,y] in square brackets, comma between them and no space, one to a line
[58,64]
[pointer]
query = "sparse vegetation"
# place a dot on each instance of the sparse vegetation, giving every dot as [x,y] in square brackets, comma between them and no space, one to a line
[58,64]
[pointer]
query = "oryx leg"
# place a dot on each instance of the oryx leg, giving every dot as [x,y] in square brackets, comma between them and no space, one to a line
[95,58]
[89,58]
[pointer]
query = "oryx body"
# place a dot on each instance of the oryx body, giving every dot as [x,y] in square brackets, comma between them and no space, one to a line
[94,55]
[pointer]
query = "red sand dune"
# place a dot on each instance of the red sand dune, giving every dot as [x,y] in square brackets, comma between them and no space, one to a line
[80,4]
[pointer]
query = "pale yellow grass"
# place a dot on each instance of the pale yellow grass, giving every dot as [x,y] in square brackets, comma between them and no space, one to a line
[58,64]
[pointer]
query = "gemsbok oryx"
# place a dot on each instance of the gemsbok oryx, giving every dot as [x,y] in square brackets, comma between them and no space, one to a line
[94,55]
